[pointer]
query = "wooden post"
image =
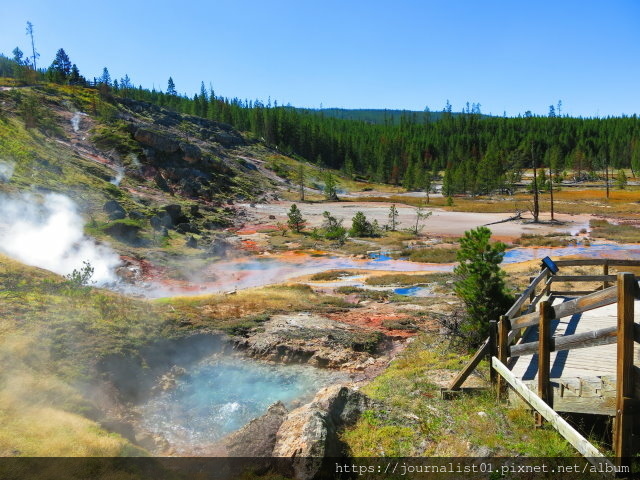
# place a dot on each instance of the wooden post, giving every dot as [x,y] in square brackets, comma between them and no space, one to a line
[623,429]
[532,295]
[493,350]
[605,271]
[544,358]
[504,325]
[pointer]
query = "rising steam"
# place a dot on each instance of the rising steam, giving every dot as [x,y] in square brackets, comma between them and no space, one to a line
[6,170]
[47,232]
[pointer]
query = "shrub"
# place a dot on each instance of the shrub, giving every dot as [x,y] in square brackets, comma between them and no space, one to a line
[296,222]
[361,227]
[480,284]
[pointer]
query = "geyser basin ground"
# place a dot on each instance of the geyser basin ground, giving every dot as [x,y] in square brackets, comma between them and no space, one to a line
[223,393]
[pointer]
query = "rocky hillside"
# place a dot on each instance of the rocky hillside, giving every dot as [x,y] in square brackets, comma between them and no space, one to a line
[143,176]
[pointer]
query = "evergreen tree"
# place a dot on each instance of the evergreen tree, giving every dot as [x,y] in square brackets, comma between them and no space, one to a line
[171,87]
[105,78]
[296,222]
[480,283]
[301,180]
[60,68]
[333,229]
[330,192]
[17,56]
[74,76]
[361,227]
[393,217]
[621,180]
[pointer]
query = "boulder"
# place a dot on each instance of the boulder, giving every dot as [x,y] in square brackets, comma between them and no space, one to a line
[114,210]
[220,246]
[258,437]
[161,221]
[125,232]
[192,242]
[158,141]
[175,212]
[310,433]
[187,228]
[190,153]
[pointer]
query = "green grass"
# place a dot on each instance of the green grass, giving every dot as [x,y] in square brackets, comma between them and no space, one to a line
[331,275]
[402,279]
[415,421]
[557,239]
[364,293]
[428,254]
[617,233]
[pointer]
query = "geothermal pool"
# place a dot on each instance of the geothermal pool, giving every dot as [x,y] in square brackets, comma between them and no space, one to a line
[223,393]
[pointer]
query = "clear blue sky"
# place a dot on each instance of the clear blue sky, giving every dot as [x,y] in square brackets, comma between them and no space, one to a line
[507,55]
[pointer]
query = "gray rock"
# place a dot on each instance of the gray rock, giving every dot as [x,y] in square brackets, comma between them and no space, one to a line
[258,437]
[159,141]
[175,212]
[311,432]
[191,153]
[114,210]
[192,242]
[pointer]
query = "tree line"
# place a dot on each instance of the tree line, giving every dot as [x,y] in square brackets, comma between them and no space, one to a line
[471,153]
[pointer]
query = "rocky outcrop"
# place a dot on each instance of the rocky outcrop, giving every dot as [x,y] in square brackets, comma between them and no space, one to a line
[258,437]
[190,153]
[309,338]
[156,140]
[311,432]
[125,232]
[114,210]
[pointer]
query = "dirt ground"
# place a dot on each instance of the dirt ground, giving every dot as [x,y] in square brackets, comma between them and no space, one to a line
[440,223]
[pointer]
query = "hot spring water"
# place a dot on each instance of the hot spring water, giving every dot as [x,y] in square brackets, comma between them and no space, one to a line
[223,393]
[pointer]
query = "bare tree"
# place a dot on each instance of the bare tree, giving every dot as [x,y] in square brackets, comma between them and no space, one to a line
[33,45]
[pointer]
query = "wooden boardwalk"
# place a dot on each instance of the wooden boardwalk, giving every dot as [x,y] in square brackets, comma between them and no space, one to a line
[579,353]
[580,363]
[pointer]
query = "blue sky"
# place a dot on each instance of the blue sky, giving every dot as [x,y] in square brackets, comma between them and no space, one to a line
[509,56]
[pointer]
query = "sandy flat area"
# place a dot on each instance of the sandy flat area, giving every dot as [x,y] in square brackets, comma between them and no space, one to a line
[440,223]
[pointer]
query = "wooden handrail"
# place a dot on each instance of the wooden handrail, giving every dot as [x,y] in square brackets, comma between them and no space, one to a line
[515,308]
[580,443]
[583,278]
[597,261]
[603,336]
[572,307]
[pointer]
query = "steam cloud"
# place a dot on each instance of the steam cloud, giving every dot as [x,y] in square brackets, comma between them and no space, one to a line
[119,175]
[47,232]
[75,121]
[6,170]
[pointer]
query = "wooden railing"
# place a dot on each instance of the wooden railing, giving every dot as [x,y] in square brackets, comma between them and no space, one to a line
[624,334]
[500,348]
[531,297]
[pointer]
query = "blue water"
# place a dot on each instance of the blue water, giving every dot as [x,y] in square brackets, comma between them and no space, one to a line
[606,250]
[224,393]
[408,291]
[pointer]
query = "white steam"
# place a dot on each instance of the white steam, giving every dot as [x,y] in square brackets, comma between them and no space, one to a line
[119,175]
[6,170]
[47,232]
[75,121]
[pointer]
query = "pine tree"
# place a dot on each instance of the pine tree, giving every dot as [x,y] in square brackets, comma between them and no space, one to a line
[296,222]
[361,227]
[301,180]
[480,284]
[171,87]
[74,76]
[621,180]
[105,78]
[393,217]
[330,192]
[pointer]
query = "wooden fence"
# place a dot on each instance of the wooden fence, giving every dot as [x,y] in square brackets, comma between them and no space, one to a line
[534,308]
